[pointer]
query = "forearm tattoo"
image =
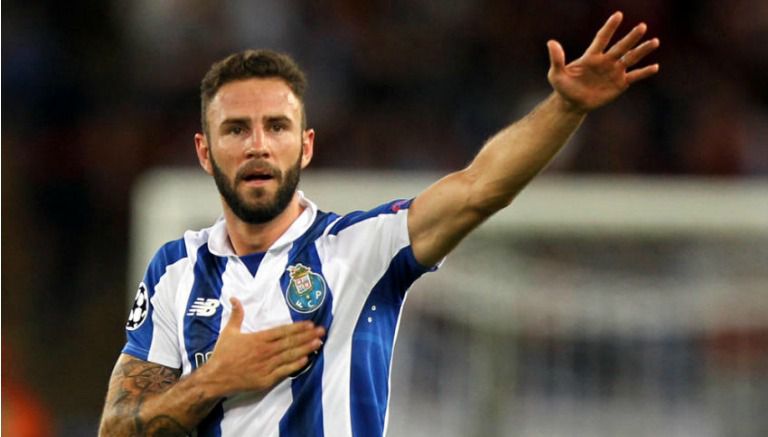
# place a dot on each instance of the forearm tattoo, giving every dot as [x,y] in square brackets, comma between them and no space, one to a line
[132,383]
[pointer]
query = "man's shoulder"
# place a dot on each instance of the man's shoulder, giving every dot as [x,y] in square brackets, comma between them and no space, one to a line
[175,249]
[388,209]
[180,248]
[168,254]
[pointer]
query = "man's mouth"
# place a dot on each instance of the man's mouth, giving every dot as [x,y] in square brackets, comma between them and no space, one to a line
[257,176]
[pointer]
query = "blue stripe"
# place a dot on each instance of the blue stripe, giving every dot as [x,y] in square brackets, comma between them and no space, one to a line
[357,216]
[372,342]
[253,261]
[201,332]
[139,341]
[304,417]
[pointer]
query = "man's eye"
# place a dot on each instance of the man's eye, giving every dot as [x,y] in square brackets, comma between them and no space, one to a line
[235,130]
[278,127]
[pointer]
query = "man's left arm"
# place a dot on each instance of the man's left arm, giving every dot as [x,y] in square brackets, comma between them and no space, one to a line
[441,216]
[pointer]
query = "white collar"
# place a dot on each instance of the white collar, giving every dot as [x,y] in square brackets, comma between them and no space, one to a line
[218,239]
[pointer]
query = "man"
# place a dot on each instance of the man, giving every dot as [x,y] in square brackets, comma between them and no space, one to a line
[280,318]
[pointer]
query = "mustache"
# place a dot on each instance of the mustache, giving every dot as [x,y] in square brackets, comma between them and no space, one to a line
[258,167]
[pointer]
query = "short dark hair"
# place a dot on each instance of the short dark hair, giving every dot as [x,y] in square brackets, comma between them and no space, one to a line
[251,64]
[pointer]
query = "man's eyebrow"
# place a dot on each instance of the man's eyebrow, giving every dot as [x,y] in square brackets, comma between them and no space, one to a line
[235,120]
[280,118]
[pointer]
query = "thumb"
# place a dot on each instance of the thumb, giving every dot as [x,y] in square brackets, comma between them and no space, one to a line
[556,55]
[237,315]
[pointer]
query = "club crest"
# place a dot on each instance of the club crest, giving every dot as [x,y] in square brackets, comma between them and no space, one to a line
[306,291]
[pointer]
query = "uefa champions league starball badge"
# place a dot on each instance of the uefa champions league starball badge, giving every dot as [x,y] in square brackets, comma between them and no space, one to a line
[306,291]
[139,309]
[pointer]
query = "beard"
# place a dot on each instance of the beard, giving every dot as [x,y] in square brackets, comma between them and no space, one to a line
[257,212]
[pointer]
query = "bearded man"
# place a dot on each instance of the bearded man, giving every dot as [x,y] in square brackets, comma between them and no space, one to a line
[280,319]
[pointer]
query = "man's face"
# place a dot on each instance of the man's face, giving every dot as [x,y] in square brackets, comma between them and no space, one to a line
[255,148]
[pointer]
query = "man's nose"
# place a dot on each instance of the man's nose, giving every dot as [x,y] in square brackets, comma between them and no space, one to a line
[256,145]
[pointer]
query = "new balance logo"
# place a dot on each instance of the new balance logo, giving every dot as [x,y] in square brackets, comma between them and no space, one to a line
[204,307]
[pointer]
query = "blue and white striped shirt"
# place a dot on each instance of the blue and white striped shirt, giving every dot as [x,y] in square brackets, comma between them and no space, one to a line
[348,273]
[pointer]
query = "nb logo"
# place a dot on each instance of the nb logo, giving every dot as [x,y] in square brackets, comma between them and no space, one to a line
[204,307]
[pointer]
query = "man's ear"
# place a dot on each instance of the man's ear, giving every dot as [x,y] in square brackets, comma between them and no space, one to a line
[307,147]
[203,153]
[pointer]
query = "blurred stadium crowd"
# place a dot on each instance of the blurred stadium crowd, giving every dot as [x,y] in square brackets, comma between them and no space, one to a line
[97,92]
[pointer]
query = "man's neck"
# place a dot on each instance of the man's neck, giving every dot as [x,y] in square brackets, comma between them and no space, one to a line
[248,238]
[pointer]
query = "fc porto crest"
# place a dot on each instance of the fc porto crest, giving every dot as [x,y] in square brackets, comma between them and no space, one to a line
[306,291]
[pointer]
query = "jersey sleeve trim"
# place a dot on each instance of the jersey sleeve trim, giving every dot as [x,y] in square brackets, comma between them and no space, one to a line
[143,355]
[392,207]
[416,267]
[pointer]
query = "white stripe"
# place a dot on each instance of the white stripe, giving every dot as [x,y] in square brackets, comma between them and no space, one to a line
[164,348]
[241,418]
[257,414]
[353,262]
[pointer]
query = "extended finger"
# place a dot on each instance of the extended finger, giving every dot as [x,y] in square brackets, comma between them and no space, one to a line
[625,44]
[556,55]
[298,339]
[279,332]
[604,35]
[283,371]
[294,353]
[641,73]
[635,55]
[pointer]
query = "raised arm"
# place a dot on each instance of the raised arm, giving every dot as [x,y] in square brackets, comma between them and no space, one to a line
[449,209]
[147,399]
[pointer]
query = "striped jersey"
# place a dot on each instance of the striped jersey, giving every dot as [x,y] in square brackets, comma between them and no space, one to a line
[347,273]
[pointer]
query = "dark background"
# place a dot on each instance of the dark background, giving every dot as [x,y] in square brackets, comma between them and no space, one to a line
[96,93]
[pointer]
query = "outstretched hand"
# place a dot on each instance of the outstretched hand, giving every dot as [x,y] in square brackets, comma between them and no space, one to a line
[601,75]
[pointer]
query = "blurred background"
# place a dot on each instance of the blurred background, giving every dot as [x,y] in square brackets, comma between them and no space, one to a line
[98,95]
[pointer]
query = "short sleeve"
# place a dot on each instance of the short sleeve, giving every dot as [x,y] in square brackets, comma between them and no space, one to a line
[376,243]
[150,328]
